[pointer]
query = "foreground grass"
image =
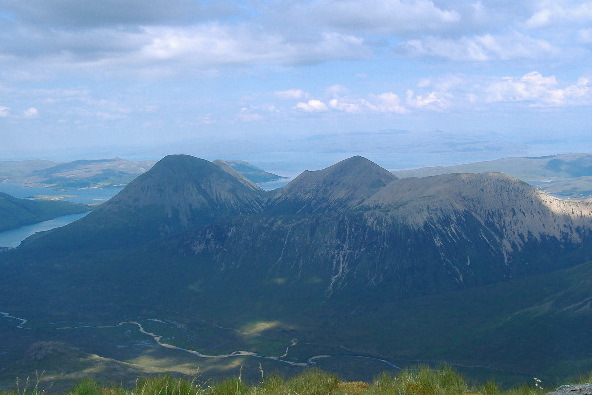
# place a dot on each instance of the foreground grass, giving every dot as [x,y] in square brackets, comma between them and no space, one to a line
[422,381]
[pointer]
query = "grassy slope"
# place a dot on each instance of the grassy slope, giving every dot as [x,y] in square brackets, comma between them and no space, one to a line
[421,381]
[532,326]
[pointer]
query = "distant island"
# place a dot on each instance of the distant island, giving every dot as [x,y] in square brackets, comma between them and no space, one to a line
[117,172]
[565,175]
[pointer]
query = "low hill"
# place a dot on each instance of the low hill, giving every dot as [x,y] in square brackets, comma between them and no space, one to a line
[19,212]
[252,173]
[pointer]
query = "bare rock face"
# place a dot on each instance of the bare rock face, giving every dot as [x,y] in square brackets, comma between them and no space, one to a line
[577,389]
[514,211]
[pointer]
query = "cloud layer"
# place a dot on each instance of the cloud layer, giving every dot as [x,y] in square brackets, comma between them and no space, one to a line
[143,70]
[213,33]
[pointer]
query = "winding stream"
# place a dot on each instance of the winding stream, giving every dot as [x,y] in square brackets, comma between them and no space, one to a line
[22,320]
[158,340]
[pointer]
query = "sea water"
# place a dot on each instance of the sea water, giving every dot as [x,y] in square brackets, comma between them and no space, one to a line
[12,238]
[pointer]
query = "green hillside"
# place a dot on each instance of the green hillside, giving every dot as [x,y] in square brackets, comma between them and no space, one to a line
[19,212]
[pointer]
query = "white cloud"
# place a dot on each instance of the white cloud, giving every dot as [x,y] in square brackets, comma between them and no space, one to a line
[312,105]
[351,107]
[336,90]
[4,112]
[377,16]
[553,12]
[441,84]
[479,48]
[250,117]
[537,90]
[211,44]
[585,36]
[432,100]
[190,35]
[255,112]
[291,94]
[388,102]
[214,45]
[541,18]
[203,45]
[384,103]
[31,113]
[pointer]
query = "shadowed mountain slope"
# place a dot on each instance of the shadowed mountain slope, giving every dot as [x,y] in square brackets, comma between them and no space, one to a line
[336,188]
[179,192]
[411,236]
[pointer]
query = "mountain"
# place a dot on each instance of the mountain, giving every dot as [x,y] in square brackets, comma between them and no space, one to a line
[566,175]
[339,187]
[411,236]
[345,260]
[19,212]
[177,193]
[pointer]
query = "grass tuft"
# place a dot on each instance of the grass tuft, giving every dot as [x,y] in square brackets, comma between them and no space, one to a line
[87,386]
[166,385]
[421,381]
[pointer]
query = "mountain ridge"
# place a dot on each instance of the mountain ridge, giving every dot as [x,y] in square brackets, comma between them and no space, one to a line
[190,241]
[564,175]
[490,218]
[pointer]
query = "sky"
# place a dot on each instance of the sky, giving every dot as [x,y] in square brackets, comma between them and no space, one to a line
[291,84]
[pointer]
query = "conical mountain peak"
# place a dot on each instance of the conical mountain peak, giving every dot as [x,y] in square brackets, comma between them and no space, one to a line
[179,192]
[344,185]
[182,184]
